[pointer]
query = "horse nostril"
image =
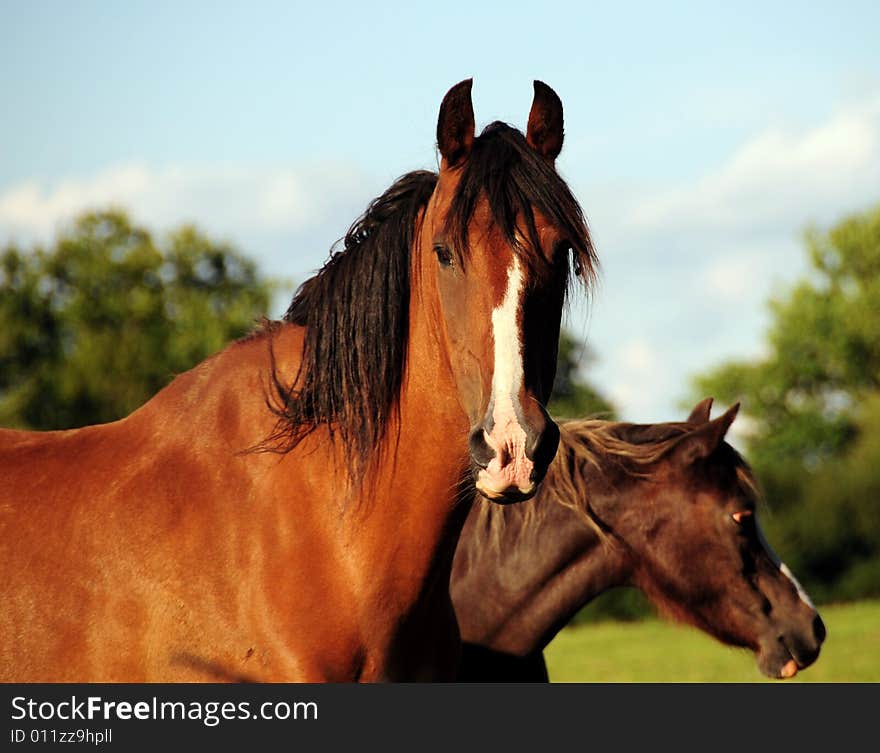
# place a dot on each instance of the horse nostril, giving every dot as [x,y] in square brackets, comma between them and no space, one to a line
[543,449]
[819,629]
[481,452]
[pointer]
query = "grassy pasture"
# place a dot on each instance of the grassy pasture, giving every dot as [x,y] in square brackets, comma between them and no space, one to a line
[655,651]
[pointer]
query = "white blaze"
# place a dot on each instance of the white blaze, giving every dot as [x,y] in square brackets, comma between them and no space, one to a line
[507,377]
[800,589]
[783,568]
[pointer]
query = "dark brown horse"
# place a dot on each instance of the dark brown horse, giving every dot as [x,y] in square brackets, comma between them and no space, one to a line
[667,508]
[289,508]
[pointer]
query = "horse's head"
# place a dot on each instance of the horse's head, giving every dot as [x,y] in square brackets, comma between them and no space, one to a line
[700,556]
[497,241]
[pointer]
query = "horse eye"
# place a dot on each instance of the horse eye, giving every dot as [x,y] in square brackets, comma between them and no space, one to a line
[562,250]
[741,515]
[444,255]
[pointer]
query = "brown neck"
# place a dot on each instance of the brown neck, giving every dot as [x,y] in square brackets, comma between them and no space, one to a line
[396,535]
[418,513]
[518,580]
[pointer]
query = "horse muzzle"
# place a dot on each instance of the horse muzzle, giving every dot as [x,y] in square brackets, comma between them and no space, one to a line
[509,461]
[792,650]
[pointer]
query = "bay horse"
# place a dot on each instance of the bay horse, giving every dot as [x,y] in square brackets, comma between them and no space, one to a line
[288,509]
[667,508]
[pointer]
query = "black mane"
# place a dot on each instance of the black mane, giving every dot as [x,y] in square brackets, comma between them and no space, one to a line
[355,312]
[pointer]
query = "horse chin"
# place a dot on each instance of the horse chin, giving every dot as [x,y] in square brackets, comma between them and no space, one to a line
[508,496]
[502,490]
[775,660]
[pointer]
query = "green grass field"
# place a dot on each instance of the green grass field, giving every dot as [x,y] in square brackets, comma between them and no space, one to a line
[655,651]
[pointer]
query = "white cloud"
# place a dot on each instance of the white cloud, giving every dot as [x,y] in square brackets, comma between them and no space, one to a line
[639,371]
[687,267]
[778,178]
[237,200]
[730,278]
[637,356]
[287,217]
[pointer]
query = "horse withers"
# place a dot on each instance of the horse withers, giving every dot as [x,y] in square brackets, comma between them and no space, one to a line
[289,508]
[667,508]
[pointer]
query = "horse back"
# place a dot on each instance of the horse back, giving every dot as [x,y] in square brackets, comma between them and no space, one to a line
[110,533]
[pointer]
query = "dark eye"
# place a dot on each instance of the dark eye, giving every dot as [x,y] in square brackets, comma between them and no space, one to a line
[741,516]
[562,248]
[444,255]
[562,252]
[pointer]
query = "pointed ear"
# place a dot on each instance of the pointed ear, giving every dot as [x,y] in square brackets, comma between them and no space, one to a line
[700,413]
[545,130]
[702,442]
[455,124]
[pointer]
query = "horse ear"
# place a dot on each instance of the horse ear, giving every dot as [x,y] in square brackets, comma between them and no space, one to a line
[455,124]
[545,131]
[702,442]
[700,413]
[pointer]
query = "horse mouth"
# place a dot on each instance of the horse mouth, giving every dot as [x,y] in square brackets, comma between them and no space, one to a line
[782,667]
[789,670]
[784,663]
[503,488]
[508,496]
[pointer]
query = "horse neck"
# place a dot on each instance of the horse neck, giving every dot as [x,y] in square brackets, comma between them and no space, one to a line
[411,522]
[434,432]
[519,578]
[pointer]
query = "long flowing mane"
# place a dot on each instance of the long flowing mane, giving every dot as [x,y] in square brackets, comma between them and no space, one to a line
[355,312]
[630,449]
[355,309]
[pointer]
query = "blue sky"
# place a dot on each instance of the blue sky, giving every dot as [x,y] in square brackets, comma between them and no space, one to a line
[700,138]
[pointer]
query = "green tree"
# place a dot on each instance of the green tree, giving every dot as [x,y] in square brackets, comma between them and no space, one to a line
[835,537]
[95,325]
[573,395]
[813,404]
[824,350]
